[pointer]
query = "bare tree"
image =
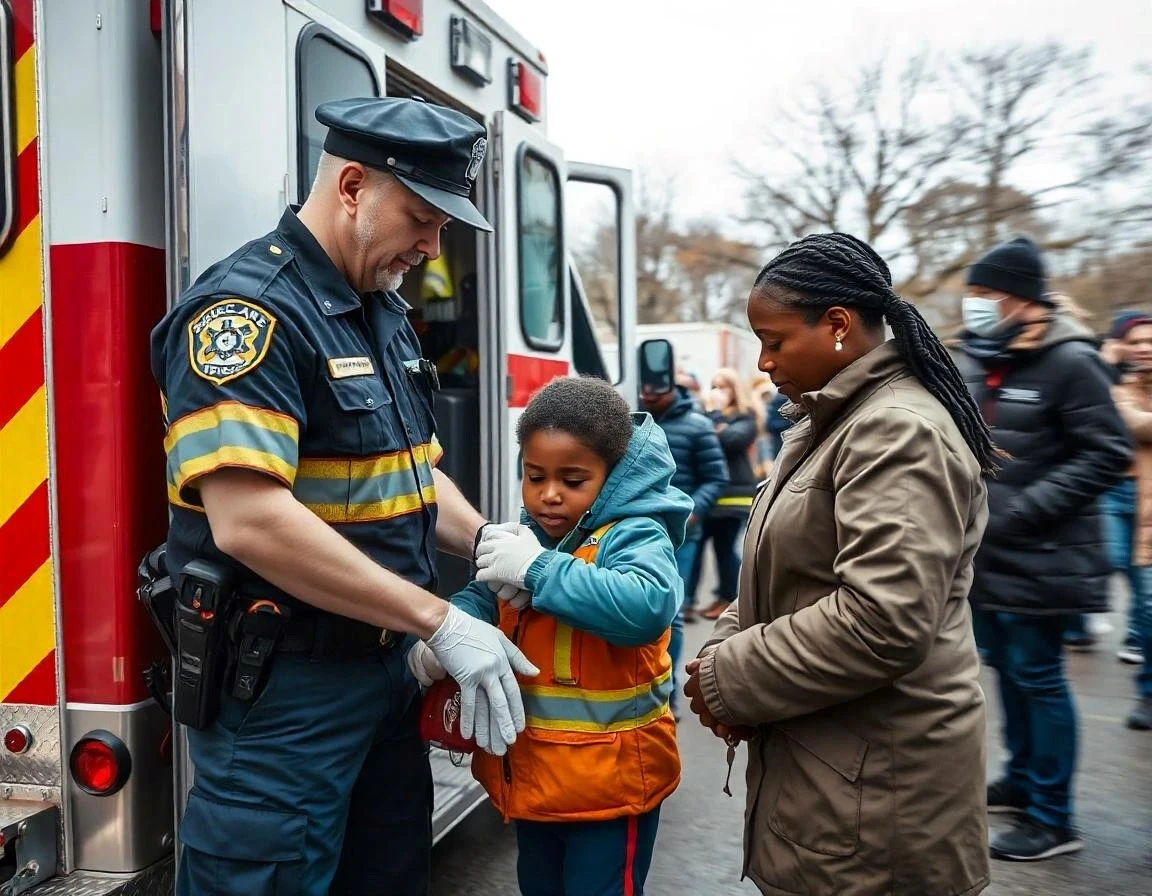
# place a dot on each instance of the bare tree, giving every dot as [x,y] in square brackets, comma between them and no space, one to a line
[1024,103]
[937,160]
[658,295]
[716,273]
[854,161]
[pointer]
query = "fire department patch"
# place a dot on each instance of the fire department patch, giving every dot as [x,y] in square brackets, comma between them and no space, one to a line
[229,339]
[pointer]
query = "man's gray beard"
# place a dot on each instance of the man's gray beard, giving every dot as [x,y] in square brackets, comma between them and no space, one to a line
[388,281]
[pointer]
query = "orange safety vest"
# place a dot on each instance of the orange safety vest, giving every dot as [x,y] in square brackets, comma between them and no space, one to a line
[600,740]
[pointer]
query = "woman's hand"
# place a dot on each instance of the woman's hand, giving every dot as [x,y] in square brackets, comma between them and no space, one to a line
[728,733]
[696,697]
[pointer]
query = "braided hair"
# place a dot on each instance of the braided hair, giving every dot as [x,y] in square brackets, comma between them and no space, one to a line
[829,269]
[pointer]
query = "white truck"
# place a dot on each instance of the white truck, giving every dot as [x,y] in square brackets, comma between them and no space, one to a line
[703,347]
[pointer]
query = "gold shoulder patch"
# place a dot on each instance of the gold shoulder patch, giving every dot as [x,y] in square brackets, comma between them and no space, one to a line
[228,339]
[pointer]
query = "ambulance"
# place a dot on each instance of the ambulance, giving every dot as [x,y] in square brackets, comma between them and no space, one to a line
[140,142]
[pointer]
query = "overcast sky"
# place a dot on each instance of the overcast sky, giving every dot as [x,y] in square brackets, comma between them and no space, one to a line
[680,86]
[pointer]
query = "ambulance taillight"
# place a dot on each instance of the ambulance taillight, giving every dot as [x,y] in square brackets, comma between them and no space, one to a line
[100,763]
[405,17]
[526,91]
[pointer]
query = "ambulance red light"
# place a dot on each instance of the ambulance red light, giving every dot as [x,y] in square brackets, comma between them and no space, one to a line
[100,763]
[526,90]
[405,17]
[17,739]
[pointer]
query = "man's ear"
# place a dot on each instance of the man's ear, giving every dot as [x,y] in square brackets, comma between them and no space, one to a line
[350,184]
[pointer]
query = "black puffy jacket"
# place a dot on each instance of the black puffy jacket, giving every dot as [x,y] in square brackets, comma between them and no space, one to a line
[1048,402]
[701,472]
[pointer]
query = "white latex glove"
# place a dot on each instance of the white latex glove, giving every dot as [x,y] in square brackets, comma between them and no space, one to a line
[425,668]
[487,531]
[482,660]
[516,598]
[505,558]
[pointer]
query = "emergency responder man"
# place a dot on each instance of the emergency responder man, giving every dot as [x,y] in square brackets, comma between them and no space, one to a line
[302,456]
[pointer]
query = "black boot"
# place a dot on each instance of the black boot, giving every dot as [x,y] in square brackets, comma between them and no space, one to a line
[1140,719]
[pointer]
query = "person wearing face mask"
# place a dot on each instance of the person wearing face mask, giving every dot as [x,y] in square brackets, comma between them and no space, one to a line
[737,421]
[1044,392]
[1128,507]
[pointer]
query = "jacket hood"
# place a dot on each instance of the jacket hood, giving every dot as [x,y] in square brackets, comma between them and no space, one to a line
[639,485]
[1063,328]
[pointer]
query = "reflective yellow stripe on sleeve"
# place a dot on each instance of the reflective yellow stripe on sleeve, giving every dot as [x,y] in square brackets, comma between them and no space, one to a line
[230,434]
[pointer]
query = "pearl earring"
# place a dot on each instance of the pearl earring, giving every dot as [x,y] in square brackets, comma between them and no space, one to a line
[839,345]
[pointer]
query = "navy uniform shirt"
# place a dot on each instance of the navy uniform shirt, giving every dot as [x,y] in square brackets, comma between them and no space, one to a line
[271,362]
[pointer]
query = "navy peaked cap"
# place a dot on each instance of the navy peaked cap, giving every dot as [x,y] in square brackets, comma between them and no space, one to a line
[434,151]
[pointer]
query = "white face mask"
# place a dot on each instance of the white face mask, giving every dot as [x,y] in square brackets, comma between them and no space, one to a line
[718,398]
[982,316]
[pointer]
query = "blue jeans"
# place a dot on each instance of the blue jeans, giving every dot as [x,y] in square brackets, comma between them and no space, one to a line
[685,561]
[1118,506]
[1144,624]
[1040,728]
[585,858]
[724,533]
[327,746]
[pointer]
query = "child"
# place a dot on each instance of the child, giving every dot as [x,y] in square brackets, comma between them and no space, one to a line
[585,780]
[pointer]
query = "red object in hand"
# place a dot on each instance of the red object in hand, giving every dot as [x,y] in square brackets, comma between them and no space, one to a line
[440,717]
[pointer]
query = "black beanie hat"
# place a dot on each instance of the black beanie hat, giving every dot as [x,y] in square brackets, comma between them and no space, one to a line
[1015,267]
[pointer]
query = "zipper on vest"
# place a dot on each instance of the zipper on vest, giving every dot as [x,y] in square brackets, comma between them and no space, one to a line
[506,763]
[505,760]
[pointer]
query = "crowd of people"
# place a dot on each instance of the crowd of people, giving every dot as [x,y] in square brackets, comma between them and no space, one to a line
[885,509]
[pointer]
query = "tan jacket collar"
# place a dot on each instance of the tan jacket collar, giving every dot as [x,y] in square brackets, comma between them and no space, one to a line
[856,381]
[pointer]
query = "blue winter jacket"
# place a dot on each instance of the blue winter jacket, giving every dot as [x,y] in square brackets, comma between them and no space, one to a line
[701,470]
[632,592]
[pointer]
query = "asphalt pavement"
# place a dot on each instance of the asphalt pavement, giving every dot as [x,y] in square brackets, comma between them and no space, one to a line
[698,850]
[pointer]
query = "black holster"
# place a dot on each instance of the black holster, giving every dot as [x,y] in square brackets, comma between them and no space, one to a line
[256,631]
[157,593]
[204,603]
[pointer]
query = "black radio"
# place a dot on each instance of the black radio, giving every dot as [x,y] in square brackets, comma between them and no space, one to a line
[203,601]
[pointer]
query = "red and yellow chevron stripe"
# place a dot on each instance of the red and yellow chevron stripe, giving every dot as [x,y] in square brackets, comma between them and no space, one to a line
[27,616]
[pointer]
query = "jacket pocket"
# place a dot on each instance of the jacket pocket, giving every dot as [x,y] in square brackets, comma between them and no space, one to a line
[818,804]
[235,849]
[359,423]
[564,774]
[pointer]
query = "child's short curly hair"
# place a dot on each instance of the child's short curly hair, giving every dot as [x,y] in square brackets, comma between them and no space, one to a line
[585,407]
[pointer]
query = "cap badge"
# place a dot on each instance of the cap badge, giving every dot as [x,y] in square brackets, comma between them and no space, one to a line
[477,160]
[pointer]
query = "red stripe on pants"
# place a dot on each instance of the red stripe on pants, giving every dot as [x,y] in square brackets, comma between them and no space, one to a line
[630,857]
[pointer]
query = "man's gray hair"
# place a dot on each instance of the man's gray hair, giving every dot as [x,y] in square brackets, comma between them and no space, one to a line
[329,166]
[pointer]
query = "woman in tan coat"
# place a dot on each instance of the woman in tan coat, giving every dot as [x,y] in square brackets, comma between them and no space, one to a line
[848,661]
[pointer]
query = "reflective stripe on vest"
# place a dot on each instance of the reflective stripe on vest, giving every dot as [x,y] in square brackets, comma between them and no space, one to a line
[569,708]
[580,709]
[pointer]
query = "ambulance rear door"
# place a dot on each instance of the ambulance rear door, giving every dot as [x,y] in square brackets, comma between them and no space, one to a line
[601,225]
[532,330]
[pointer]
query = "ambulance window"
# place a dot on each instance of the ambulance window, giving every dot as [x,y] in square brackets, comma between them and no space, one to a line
[592,218]
[7,137]
[328,69]
[541,253]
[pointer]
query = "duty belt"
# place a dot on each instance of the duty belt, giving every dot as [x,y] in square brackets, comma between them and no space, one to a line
[329,635]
